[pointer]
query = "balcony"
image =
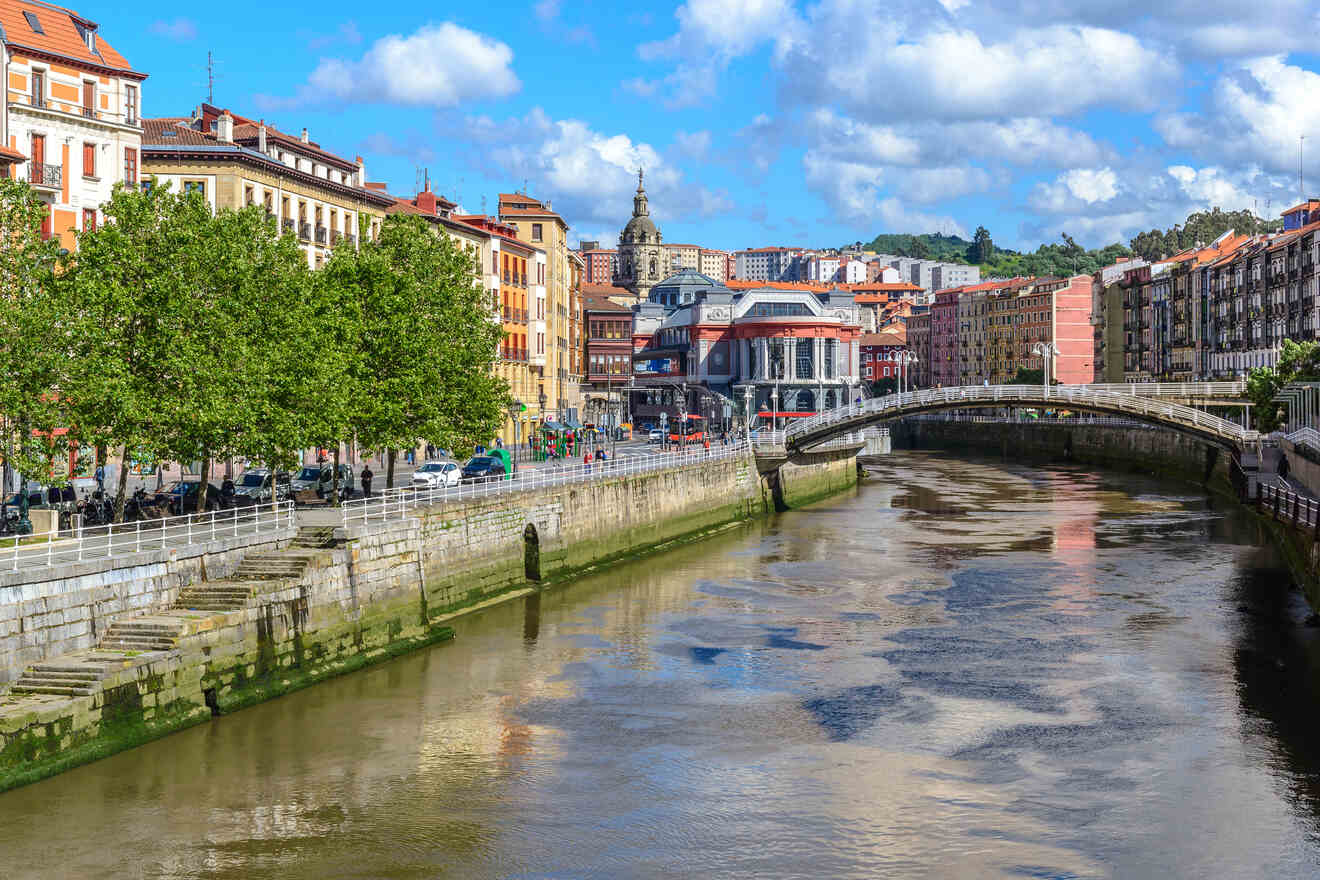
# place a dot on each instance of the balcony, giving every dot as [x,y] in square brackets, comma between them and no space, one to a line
[322,234]
[305,231]
[45,176]
[287,225]
[336,237]
[89,112]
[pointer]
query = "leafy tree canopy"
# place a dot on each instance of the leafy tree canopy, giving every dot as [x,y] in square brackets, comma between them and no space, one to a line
[1298,362]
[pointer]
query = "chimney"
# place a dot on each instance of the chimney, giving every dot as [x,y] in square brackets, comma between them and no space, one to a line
[426,201]
[261,136]
[304,136]
[361,172]
[224,128]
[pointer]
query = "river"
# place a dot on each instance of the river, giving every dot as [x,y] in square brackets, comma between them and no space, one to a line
[961,669]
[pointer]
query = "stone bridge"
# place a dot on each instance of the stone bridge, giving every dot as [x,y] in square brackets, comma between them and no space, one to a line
[1157,404]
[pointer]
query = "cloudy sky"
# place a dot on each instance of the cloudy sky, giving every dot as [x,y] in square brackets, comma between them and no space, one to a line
[773,122]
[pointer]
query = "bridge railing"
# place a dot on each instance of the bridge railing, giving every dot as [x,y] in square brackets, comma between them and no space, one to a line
[1148,406]
[400,501]
[1305,437]
[1169,389]
[1287,506]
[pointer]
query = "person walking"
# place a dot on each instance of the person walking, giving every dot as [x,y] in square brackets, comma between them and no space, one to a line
[586,462]
[366,481]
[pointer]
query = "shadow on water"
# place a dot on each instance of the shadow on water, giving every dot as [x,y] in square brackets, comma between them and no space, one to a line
[1277,668]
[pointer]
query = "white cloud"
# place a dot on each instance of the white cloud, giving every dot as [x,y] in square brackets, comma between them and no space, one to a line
[853,193]
[1091,185]
[590,175]
[1254,113]
[643,88]
[949,73]
[929,185]
[437,66]
[546,10]
[692,145]
[181,30]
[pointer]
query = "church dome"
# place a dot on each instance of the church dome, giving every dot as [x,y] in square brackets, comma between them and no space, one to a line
[641,229]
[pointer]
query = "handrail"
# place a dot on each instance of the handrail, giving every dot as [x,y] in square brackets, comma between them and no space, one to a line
[116,540]
[1288,506]
[896,405]
[397,502]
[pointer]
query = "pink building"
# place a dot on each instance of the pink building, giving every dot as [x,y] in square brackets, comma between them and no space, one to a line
[944,338]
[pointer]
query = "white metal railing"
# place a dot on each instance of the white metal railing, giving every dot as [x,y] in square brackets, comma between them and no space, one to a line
[1022,419]
[804,431]
[396,503]
[1169,389]
[126,539]
[1305,437]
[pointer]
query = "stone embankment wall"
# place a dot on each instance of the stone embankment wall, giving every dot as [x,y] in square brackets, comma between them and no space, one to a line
[386,589]
[47,612]
[1156,451]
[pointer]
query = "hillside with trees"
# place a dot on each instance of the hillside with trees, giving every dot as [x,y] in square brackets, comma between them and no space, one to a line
[1067,257]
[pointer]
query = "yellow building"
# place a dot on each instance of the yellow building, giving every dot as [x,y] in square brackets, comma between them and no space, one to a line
[561,374]
[233,161]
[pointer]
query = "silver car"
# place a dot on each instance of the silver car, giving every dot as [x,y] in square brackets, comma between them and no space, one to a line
[317,479]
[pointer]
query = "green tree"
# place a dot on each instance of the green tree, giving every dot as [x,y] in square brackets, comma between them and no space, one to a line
[1023,376]
[1298,362]
[423,370]
[115,298]
[32,340]
[982,249]
[884,385]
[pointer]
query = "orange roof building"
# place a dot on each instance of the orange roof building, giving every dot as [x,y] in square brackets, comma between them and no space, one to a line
[71,121]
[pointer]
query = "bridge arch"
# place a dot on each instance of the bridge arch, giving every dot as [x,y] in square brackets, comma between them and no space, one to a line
[803,434]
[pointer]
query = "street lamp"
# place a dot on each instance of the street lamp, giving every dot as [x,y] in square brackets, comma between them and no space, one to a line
[906,359]
[774,407]
[1045,351]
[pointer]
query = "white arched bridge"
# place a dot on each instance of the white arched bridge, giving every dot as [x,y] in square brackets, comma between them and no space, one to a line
[1151,403]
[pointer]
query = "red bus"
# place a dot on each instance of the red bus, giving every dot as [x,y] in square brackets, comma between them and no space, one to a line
[693,430]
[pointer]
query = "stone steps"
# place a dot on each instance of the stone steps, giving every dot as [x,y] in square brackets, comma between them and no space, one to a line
[314,538]
[62,678]
[142,634]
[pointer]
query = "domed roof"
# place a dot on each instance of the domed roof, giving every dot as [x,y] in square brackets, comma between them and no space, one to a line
[639,225]
[681,288]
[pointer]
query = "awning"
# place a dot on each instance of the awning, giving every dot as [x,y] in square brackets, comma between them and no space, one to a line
[573,426]
[549,425]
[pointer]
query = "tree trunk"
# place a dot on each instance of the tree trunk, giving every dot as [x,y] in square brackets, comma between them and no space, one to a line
[334,479]
[120,496]
[201,490]
[389,469]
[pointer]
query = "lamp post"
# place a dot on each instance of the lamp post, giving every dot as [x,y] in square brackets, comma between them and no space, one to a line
[747,413]
[774,411]
[905,360]
[1045,351]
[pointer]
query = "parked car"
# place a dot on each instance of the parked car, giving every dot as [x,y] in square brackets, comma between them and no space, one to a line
[254,485]
[655,435]
[317,479]
[435,474]
[181,496]
[482,466]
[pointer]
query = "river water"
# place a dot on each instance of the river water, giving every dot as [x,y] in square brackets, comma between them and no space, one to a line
[961,669]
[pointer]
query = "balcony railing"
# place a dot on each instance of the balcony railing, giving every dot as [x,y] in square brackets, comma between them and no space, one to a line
[336,237]
[287,224]
[321,234]
[305,231]
[45,175]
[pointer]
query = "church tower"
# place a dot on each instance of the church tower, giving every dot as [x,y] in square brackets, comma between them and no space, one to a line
[642,258]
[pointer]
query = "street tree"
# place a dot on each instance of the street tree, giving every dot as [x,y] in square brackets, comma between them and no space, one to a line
[32,341]
[1298,362]
[423,370]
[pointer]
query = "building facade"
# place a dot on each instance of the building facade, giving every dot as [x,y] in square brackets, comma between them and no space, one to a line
[233,162]
[72,118]
[536,224]
[700,347]
[713,264]
[599,265]
[883,356]
[766,264]
[918,340]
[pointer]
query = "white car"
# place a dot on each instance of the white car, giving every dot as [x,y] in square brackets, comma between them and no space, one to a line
[656,436]
[436,474]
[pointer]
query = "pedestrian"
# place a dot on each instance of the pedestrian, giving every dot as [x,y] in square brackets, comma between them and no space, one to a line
[100,477]
[1283,466]
[586,462]
[705,444]
[430,452]
[499,442]
[366,481]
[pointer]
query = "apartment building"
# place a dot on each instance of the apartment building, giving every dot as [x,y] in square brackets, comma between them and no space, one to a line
[600,265]
[713,264]
[71,124]
[945,275]
[766,264]
[234,161]
[537,224]
[683,256]
[918,340]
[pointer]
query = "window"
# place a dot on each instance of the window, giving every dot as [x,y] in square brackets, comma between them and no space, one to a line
[89,99]
[536,232]
[38,80]
[33,22]
[89,219]
[130,105]
[195,186]
[130,166]
[89,160]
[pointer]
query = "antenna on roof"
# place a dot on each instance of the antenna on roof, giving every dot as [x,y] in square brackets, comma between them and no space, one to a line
[524,189]
[210,78]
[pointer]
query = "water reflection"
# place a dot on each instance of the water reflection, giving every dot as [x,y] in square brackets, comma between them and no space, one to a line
[962,669]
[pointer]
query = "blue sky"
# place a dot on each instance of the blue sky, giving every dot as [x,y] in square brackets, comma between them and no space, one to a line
[772,122]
